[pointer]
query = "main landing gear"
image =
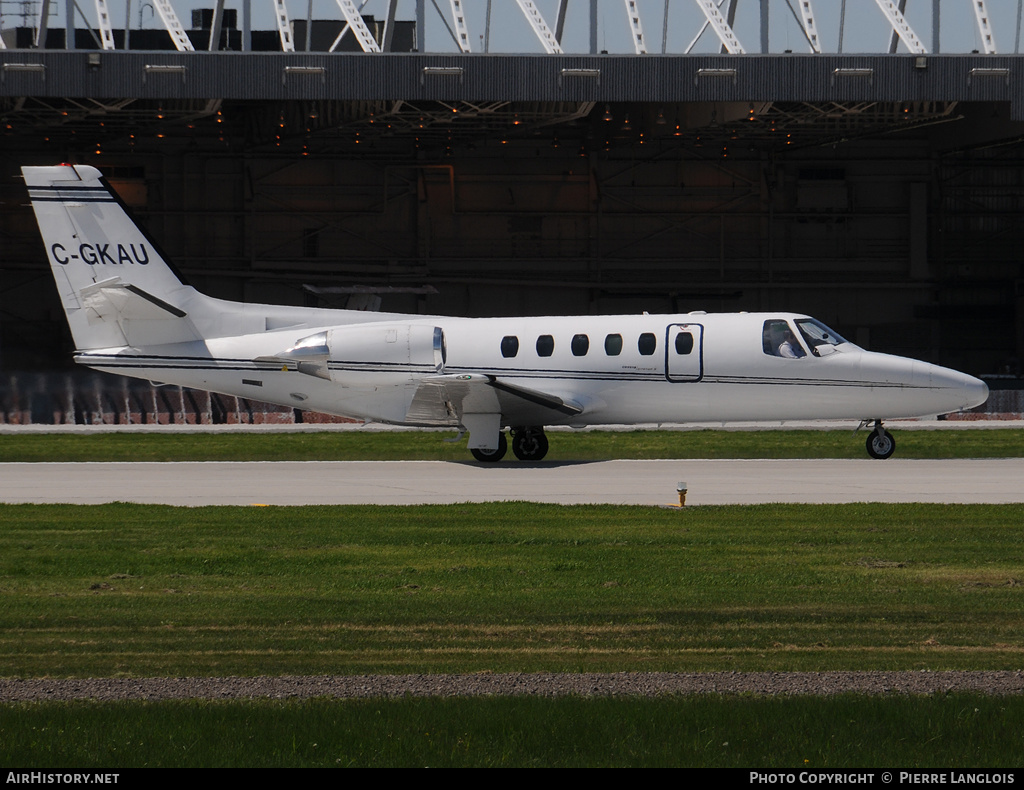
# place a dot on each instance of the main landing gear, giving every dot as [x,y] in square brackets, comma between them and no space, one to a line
[528,444]
[880,442]
[492,456]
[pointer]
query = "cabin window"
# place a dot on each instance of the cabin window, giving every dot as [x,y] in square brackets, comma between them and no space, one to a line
[509,346]
[778,340]
[647,344]
[613,345]
[684,343]
[545,346]
[580,345]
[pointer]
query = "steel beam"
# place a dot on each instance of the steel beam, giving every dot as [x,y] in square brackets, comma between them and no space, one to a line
[810,26]
[540,27]
[984,27]
[215,26]
[389,25]
[721,27]
[461,30]
[44,13]
[730,17]
[900,26]
[664,29]
[70,24]
[355,22]
[560,19]
[635,26]
[284,26]
[174,28]
[700,32]
[764,27]
[894,39]
[106,30]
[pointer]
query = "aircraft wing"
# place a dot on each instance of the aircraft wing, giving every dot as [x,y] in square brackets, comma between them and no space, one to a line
[442,400]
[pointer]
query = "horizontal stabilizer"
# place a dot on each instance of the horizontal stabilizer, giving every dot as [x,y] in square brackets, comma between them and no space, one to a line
[130,315]
[115,299]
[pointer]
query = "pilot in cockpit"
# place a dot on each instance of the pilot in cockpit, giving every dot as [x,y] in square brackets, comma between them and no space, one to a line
[789,347]
[780,342]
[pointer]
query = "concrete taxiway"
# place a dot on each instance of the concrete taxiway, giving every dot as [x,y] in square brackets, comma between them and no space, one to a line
[436,482]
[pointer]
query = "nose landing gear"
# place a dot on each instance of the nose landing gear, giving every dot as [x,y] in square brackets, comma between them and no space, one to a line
[880,443]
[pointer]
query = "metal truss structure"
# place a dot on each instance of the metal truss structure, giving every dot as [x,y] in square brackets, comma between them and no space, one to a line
[552,28]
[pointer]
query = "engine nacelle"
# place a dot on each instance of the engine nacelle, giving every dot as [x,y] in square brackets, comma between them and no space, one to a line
[417,348]
[399,348]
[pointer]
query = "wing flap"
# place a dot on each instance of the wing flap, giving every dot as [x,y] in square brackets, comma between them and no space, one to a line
[537,397]
[443,400]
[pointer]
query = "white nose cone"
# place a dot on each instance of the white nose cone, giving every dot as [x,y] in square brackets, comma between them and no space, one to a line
[976,391]
[950,390]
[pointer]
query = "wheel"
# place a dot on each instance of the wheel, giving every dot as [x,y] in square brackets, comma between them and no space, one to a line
[881,444]
[492,456]
[529,444]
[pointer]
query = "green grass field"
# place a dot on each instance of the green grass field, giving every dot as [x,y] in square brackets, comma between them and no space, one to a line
[955,731]
[565,445]
[129,590]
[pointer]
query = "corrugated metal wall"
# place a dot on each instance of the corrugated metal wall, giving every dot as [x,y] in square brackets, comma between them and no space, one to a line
[652,78]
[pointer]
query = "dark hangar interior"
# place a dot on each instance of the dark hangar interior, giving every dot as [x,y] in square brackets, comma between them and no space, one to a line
[881,193]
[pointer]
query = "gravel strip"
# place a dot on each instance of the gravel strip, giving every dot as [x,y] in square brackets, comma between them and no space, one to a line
[539,684]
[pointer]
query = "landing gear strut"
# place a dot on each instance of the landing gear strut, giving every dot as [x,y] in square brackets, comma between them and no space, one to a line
[492,456]
[880,442]
[529,444]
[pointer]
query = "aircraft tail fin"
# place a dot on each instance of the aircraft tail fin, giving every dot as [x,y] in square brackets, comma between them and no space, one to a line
[115,285]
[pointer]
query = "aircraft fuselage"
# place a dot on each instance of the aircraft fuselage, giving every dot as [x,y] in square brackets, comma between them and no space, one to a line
[374,370]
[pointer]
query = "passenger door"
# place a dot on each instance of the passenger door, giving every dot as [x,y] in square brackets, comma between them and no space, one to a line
[684,352]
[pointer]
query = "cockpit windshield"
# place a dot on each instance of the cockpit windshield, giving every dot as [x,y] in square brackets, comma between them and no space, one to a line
[817,334]
[779,340]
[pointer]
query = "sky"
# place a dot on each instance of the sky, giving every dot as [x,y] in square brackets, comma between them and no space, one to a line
[865,28]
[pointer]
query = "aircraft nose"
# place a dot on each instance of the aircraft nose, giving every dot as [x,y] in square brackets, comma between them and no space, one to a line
[958,390]
[976,391]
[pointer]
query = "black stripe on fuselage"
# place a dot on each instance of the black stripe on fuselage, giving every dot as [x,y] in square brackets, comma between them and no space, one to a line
[206,363]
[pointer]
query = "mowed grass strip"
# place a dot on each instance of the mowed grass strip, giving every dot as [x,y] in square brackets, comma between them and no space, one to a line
[956,731]
[565,446]
[133,590]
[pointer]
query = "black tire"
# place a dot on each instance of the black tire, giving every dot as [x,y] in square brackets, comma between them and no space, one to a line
[529,444]
[880,444]
[492,456]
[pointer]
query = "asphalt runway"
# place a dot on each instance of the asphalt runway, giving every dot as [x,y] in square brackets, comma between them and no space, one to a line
[716,482]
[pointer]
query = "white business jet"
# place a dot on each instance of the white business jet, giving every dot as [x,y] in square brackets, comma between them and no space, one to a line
[130,314]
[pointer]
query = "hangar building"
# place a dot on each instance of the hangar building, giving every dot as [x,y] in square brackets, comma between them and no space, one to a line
[367,161]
